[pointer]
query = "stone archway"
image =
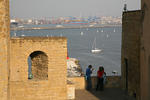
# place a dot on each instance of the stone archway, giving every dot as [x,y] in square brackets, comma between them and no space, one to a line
[39,66]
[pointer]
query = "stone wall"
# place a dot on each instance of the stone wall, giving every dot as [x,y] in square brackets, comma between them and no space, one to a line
[70,91]
[14,53]
[145,51]
[79,82]
[39,65]
[111,82]
[130,58]
[4,49]
[55,86]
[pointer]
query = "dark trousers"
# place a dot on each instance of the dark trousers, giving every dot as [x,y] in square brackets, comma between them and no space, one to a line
[100,84]
[89,83]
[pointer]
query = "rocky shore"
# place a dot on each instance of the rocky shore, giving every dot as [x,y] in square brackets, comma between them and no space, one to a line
[73,68]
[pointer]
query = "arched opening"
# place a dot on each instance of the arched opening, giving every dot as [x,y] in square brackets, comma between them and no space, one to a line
[38,66]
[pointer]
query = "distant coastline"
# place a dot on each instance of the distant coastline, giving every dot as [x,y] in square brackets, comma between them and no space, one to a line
[63,27]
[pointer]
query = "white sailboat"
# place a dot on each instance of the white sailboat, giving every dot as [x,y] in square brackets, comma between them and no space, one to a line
[14,33]
[94,49]
[114,30]
[107,36]
[102,31]
[81,33]
[22,35]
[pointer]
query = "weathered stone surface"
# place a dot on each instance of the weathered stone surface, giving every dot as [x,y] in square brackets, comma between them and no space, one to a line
[145,51]
[39,65]
[73,68]
[4,49]
[49,66]
[131,33]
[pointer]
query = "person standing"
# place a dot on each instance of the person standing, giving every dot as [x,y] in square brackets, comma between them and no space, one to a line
[100,78]
[104,77]
[88,77]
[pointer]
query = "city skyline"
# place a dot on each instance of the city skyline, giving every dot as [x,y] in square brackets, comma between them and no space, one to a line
[64,8]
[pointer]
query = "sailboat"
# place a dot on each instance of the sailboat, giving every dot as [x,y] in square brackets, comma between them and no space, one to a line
[94,49]
[97,31]
[102,31]
[15,34]
[22,35]
[81,33]
[114,30]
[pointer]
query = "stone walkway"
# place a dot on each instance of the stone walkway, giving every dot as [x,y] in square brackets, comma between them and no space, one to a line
[107,94]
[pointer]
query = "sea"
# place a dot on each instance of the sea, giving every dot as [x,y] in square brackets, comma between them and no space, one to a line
[80,42]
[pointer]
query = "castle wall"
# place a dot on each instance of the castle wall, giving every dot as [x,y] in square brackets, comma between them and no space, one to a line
[4,49]
[130,58]
[145,51]
[111,82]
[53,88]
[79,82]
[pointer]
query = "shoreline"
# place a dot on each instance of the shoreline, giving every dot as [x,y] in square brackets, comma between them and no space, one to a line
[64,27]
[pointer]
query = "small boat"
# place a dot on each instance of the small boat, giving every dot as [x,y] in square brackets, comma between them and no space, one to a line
[15,34]
[94,49]
[22,35]
[102,31]
[59,26]
[81,33]
[114,30]
[91,25]
[107,36]
[97,31]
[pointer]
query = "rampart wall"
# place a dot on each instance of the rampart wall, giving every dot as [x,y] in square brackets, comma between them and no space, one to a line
[111,82]
[130,58]
[54,87]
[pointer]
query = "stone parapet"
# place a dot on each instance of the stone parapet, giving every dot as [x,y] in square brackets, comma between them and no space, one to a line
[111,82]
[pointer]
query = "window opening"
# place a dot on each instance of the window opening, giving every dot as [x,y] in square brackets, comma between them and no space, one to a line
[38,66]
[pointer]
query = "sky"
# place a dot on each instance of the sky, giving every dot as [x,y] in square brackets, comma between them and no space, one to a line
[64,8]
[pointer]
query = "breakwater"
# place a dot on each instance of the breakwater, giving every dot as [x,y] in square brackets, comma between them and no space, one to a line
[63,27]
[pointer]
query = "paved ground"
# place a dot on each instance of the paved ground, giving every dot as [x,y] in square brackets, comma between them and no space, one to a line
[107,94]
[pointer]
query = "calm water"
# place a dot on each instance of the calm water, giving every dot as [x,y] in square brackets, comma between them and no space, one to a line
[80,43]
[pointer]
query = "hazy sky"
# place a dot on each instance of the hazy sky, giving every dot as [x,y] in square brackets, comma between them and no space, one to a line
[57,8]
